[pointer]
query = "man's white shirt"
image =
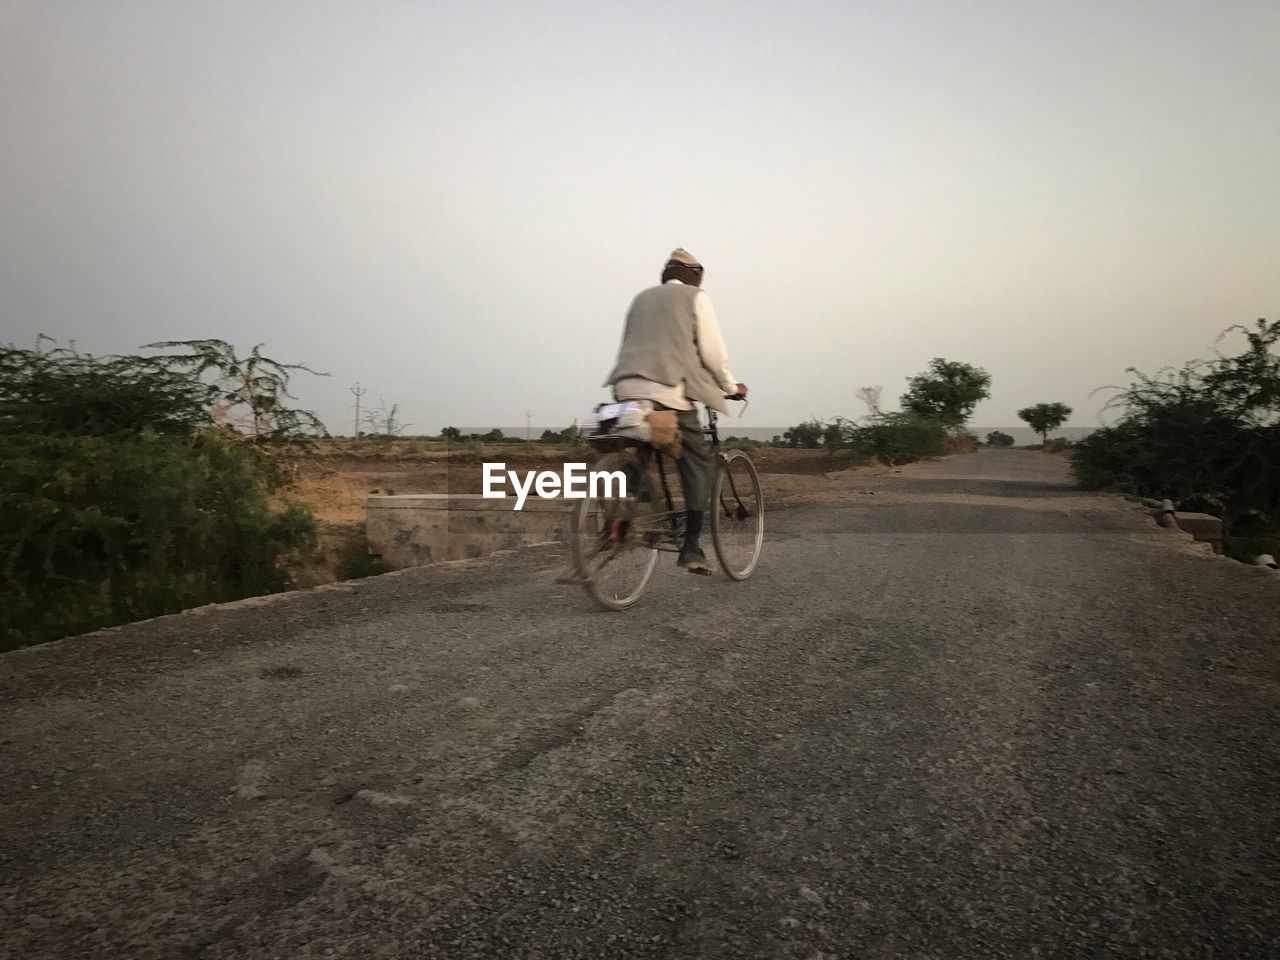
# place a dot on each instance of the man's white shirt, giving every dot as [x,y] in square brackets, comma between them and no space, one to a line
[711,350]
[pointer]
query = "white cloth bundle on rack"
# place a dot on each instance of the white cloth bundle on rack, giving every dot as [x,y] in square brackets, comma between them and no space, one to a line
[627,418]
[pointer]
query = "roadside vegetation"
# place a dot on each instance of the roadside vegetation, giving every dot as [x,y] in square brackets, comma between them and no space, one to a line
[1044,417]
[998,438]
[1205,435]
[135,486]
[936,406]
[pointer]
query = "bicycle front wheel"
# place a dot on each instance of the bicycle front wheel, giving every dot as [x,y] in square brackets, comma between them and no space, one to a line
[613,537]
[737,515]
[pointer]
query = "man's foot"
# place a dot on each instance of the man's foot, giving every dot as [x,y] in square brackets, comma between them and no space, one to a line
[694,560]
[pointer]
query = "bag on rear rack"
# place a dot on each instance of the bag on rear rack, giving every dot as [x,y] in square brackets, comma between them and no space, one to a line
[664,431]
[638,420]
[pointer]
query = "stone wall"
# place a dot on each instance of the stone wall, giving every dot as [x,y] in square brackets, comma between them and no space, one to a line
[408,531]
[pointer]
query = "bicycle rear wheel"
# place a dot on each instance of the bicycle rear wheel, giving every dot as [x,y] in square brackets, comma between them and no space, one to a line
[737,515]
[613,536]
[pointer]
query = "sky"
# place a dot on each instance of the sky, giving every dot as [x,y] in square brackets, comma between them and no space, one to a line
[454,203]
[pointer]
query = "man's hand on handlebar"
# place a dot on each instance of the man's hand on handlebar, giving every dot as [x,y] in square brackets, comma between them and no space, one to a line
[740,395]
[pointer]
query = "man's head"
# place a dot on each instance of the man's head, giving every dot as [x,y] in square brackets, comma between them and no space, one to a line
[683,266]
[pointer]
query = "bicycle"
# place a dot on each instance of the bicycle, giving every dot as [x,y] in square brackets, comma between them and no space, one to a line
[617,539]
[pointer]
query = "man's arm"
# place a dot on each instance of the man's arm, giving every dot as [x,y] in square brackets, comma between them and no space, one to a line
[711,344]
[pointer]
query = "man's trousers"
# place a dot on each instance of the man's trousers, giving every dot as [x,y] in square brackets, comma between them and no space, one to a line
[695,463]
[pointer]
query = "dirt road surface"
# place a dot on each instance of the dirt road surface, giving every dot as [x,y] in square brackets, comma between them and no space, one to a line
[961,711]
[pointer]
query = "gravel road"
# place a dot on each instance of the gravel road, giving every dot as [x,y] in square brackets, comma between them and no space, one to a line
[961,711]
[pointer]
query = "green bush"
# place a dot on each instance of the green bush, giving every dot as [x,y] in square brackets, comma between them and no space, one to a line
[96,531]
[897,438]
[359,565]
[998,438]
[120,499]
[58,391]
[1207,434]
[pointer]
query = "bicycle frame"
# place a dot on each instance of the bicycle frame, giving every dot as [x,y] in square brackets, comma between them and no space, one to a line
[676,517]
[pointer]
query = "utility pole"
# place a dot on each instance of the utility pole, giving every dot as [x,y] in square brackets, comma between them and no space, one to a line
[358,392]
[528,419]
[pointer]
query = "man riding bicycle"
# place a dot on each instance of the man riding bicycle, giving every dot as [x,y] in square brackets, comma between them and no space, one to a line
[672,354]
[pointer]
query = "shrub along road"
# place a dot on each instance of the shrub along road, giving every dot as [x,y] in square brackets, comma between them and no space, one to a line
[975,714]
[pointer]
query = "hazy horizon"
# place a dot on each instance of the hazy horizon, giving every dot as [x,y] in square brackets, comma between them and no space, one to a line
[454,205]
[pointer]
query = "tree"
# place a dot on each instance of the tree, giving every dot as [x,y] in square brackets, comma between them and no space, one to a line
[58,391]
[998,438]
[1249,384]
[947,392]
[1044,417]
[251,390]
[452,434]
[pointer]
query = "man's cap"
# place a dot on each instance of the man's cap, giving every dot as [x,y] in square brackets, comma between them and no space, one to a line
[681,255]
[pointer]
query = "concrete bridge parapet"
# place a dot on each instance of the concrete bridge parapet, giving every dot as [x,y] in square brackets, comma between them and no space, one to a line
[411,530]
